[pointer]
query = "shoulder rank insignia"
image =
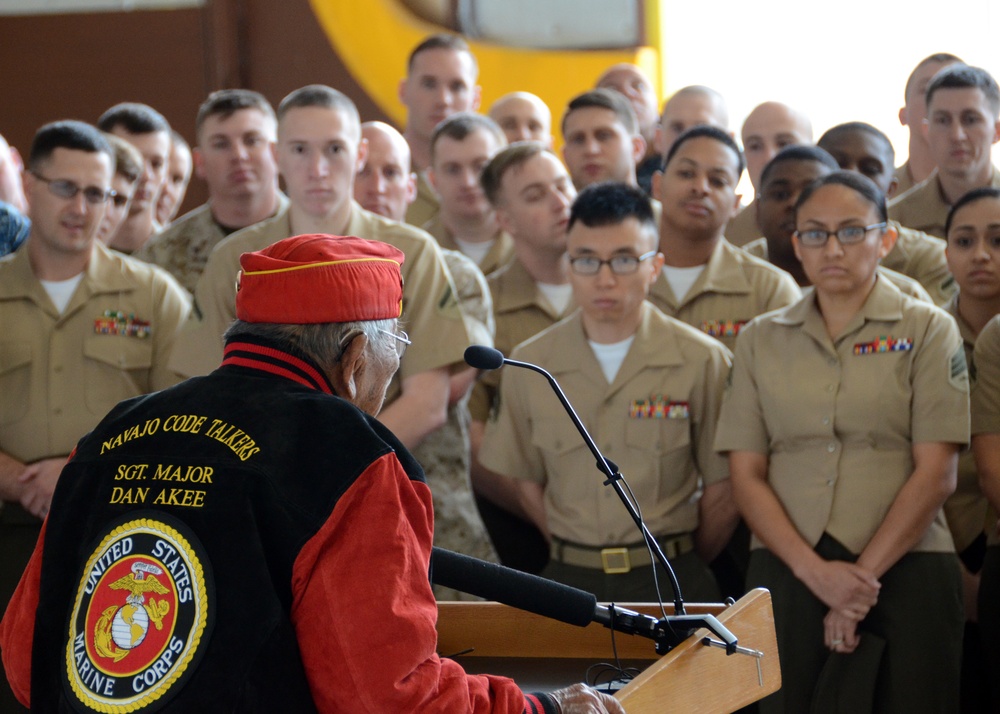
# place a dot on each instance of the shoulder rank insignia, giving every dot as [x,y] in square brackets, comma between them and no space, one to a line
[141,618]
[116,322]
[722,328]
[658,407]
[884,344]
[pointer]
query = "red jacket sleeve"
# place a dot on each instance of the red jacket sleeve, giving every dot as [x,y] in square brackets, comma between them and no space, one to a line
[365,615]
[17,630]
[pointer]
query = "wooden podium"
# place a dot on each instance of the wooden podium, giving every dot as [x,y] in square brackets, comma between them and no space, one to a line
[690,678]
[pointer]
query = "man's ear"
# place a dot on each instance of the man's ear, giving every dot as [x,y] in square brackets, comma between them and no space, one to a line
[348,371]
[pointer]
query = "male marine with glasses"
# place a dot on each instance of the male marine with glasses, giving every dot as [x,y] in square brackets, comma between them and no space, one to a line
[83,328]
[648,389]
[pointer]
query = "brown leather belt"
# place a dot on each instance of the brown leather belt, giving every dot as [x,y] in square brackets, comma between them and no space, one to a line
[617,560]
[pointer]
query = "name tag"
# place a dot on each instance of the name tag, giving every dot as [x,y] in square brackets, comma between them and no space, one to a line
[658,408]
[115,322]
[722,328]
[884,344]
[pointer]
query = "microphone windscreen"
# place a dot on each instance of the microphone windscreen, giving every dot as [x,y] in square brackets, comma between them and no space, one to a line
[512,587]
[483,357]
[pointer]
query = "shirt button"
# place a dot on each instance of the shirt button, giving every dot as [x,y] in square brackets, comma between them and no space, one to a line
[829,387]
[831,448]
[829,482]
[826,421]
[57,368]
[57,411]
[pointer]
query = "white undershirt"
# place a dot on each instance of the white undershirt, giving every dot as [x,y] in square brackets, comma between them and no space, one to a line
[681,279]
[557,296]
[476,251]
[60,291]
[610,357]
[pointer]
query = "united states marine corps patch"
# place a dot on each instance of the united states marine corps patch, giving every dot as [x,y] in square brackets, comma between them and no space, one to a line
[141,617]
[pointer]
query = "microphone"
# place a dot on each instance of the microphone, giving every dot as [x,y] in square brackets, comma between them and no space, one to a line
[512,587]
[564,603]
[483,357]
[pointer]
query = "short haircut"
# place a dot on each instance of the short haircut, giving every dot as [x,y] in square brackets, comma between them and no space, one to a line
[69,134]
[226,102]
[134,118]
[799,152]
[611,203]
[709,132]
[859,126]
[860,184]
[936,58]
[503,161]
[319,95]
[700,90]
[976,194]
[458,126]
[962,76]
[604,99]
[441,41]
[128,161]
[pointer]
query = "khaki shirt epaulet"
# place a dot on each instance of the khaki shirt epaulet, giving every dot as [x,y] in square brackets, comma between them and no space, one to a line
[500,254]
[742,229]
[734,288]
[838,419]
[430,309]
[923,207]
[183,247]
[921,257]
[61,373]
[520,312]
[425,206]
[656,420]
[904,182]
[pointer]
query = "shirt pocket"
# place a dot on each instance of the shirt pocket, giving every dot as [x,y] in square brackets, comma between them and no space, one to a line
[115,368]
[658,456]
[15,381]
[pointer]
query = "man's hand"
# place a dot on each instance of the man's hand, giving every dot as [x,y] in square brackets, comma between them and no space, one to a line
[846,587]
[840,633]
[581,699]
[39,482]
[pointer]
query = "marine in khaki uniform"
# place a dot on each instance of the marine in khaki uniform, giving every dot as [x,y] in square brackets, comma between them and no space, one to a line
[235,157]
[98,330]
[986,446]
[647,387]
[963,124]
[441,76]
[743,228]
[723,287]
[461,146]
[311,122]
[842,423]
[919,163]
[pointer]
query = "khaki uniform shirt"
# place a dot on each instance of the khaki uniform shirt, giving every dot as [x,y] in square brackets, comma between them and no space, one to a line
[61,373]
[921,256]
[656,420]
[183,247]
[732,290]
[986,397]
[923,207]
[430,311]
[500,254]
[838,419]
[520,312]
[906,285]
[904,182]
[742,229]
[425,206]
[966,508]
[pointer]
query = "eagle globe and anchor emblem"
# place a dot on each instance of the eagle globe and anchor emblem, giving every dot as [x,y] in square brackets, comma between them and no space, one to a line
[124,627]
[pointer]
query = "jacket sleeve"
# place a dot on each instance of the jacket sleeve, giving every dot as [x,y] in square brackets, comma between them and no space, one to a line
[17,630]
[365,615]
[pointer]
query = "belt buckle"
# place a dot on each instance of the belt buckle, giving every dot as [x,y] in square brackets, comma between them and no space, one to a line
[615,561]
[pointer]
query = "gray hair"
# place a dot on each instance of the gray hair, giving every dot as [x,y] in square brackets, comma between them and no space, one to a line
[323,342]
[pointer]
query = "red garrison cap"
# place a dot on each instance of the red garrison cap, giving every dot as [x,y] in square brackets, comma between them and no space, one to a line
[320,278]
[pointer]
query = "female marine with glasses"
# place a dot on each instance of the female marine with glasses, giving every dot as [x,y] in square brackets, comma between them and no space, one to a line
[843,424]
